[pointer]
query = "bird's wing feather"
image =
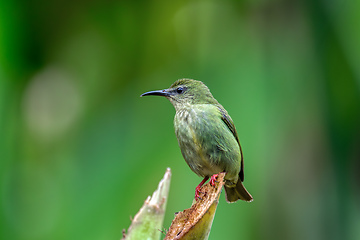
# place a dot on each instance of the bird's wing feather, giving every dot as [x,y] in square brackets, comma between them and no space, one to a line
[225,117]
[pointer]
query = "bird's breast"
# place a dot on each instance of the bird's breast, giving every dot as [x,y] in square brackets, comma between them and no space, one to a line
[192,130]
[185,126]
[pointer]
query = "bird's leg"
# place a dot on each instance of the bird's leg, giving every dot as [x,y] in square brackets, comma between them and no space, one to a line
[197,189]
[213,179]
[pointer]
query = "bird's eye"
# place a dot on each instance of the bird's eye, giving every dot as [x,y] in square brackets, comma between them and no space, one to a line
[180,90]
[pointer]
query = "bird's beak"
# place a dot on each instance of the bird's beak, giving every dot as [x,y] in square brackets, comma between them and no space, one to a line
[164,93]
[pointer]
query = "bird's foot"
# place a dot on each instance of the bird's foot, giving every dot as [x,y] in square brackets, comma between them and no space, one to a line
[213,179]
[197,189]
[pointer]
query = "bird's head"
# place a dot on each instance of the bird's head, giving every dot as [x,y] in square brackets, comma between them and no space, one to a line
[185,92]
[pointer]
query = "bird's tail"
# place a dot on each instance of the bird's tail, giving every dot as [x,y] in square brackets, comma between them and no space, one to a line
[236,192]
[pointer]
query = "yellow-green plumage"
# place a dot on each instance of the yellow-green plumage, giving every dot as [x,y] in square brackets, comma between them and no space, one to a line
[206,135]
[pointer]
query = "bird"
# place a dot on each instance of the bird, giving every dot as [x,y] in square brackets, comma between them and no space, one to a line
[207,136]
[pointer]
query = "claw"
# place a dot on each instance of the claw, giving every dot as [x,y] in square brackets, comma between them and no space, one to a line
[197,189]
[213,179]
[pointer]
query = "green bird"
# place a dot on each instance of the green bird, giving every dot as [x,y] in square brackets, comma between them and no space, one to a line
[207,136]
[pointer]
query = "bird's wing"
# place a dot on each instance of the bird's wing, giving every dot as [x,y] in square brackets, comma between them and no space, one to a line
[225,117]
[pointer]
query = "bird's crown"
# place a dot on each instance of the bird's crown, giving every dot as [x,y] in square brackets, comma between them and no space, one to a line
[191,91]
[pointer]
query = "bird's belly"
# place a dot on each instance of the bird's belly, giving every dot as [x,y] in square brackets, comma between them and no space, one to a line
[198,146]
[198,158]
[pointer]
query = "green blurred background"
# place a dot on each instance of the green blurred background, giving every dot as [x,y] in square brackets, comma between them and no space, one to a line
[80,151]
